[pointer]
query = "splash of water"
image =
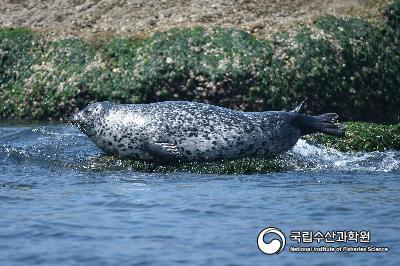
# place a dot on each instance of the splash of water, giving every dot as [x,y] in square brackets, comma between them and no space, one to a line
[319,157]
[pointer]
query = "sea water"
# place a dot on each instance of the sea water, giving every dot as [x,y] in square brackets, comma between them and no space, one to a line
[58,208]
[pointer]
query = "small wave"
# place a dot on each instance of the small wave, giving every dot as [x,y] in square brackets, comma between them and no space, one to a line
[317,157]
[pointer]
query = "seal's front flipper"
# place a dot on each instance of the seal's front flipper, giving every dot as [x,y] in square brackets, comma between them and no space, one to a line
[162,150]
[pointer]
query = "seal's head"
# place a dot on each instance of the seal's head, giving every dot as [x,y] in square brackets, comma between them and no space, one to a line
[87,119]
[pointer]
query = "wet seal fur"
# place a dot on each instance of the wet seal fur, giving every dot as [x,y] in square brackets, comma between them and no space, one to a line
[176,131]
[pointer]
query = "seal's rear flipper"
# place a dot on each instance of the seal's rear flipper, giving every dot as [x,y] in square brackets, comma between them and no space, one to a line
[325,123]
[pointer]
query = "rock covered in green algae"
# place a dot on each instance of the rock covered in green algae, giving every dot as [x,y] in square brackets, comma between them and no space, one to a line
[343,65]
[392,22]
[363,137]
[241,166]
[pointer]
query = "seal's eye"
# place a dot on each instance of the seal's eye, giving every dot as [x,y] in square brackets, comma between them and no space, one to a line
[97,109]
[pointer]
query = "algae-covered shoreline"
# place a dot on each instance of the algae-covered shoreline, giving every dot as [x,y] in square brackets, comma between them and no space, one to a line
[345,65]
[141,17]
[342,64]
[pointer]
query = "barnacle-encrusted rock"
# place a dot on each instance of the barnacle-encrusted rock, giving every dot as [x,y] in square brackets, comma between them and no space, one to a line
[343,65]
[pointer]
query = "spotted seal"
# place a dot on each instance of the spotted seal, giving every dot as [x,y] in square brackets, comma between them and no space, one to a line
[189,131]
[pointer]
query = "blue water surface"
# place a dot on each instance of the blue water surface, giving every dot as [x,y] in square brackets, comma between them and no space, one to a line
[56,208]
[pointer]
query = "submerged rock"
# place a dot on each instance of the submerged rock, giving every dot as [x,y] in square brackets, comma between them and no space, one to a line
[242,166]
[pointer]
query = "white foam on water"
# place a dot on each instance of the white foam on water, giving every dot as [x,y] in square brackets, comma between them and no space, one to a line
[320,157]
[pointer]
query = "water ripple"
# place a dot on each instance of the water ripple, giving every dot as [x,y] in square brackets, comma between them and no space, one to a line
[63,202]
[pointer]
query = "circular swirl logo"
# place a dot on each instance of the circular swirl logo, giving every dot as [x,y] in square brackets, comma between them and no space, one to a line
[276,245]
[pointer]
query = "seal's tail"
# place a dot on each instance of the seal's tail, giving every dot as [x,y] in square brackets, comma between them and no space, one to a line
[326,123]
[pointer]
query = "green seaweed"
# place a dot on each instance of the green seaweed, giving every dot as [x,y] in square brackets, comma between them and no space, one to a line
[16,58]
[240,166]
[392,22]
[343,65]
[363,137]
